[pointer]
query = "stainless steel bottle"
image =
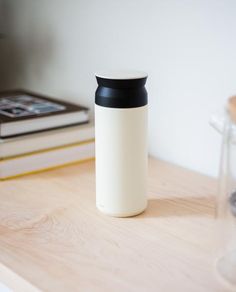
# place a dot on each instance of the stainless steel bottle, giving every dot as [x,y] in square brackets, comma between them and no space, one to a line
[121,143]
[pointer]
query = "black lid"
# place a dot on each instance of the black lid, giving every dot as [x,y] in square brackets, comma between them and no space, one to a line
[121,89]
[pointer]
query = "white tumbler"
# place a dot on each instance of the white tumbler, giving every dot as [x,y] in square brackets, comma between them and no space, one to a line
[121,143]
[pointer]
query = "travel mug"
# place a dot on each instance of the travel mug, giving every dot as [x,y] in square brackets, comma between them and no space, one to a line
[121,143]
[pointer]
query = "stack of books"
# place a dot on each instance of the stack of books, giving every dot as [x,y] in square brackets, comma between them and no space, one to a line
[39,133]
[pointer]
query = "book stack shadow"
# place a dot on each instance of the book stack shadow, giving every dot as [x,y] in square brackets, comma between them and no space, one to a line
[40,133]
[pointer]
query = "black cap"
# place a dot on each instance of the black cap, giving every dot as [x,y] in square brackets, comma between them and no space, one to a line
[121,89]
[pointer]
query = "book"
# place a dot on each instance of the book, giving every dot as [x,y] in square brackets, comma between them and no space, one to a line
[29,143]
[46,159]
[24,112]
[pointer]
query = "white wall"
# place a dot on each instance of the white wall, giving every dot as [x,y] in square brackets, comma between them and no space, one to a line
[188,48]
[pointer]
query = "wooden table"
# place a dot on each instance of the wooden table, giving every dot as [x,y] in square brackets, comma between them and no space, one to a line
[52,238]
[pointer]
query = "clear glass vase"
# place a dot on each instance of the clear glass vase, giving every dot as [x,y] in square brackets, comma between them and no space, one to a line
[226,203]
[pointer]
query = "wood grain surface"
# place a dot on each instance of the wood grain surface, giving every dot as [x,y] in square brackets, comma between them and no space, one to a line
[52,238]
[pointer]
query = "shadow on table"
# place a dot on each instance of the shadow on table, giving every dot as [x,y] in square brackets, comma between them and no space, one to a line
[180,207]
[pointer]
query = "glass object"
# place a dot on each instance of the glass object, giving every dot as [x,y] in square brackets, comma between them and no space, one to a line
[226,204]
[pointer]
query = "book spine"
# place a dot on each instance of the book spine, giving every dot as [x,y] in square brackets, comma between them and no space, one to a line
[46,169]
[45,160]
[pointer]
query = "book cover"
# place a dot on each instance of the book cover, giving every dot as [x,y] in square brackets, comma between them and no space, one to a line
[20,105]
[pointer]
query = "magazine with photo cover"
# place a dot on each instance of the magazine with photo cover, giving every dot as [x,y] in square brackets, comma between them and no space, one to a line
[26,112]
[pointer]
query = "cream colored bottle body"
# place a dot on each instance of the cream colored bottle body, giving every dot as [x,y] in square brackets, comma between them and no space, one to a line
[121,160]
